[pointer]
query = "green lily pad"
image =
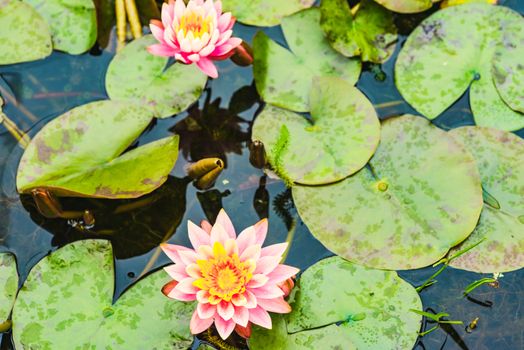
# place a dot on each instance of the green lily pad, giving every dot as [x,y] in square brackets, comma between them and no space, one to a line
[264,13]
[342,135]
[403,211]
[407,6]
[72,23]
[284,78]
[499,156]
[136,75]
[446,54]
[369,33]
[80,154]
[341,305]
[67,303]
[24,36]
[9,283]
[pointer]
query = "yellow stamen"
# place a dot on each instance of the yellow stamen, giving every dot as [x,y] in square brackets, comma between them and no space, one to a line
[195,23]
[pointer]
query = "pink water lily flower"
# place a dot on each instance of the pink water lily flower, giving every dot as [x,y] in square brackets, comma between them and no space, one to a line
[197,33]
[235,281]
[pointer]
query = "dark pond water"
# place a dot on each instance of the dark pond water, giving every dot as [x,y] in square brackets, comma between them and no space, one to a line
[219,126]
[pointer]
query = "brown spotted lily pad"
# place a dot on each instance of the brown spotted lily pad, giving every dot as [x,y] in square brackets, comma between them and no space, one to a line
[341,305]
[284,78]
[369,33]
[447,54]
[138,76]
[500,158]
[24,36]
[8,285]
[337,141]
[403,211]
[264,13]
[80,153]
[67,303]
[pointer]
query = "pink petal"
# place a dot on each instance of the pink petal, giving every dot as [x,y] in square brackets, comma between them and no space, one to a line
[206,310]
[257,281]
[188,257]
[194,57]
[207,66]
[278,305]
[173,252]
[198,325]
[206,226]
[274,250]
[252,252]
[205,252]
[231,247]
[193,270]
[186,286]
[225,310]
[267,264]
[176,271]
[260,317]
[197,236]
[224,36]
[182,58]
[176,294]
[224,328]
[224,220]
[261,230]
[251,300]
[223,22]
[157,29]
[218,234]
[161,50]
[218,7]
[221,50]
[246,238]
[239,300]
[282,273]
[206,51]
[202,296]
[267,292]
[167,11]
[179,9]
[241,316]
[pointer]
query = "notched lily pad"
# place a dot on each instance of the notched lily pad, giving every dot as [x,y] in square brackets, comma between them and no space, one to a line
[136,75]
[264,13]
[8,283]
[499,156]
[446,54]
[407,6]
[66,303]
[80,154]
[402,211]
[25,35]
[72,23]
[337,141]
[341,305]
[369,33]
[284,78]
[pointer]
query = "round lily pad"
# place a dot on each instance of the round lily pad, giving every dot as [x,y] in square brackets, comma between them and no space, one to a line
[446,54]
[80,154]
[407,6]
[264,13]
[500,160]
[72,23]
[8,284]
[341,305]
[369,33]
[338,140]
[284,78]
[136,75]
[67,303]
[403,211]
[24,36]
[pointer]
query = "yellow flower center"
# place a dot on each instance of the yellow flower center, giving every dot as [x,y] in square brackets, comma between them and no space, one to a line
[195,23]
[223,275]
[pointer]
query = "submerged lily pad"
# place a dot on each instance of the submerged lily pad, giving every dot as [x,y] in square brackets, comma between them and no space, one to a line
[72,23]
[341,305]
[24,36]
[341,136]
[80,154]
[284,78]
[407,6]
[446,54]
[369,33]
[67,303]
[8,283]
[403,211]
[264,13]
[136,75]
[499,156]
